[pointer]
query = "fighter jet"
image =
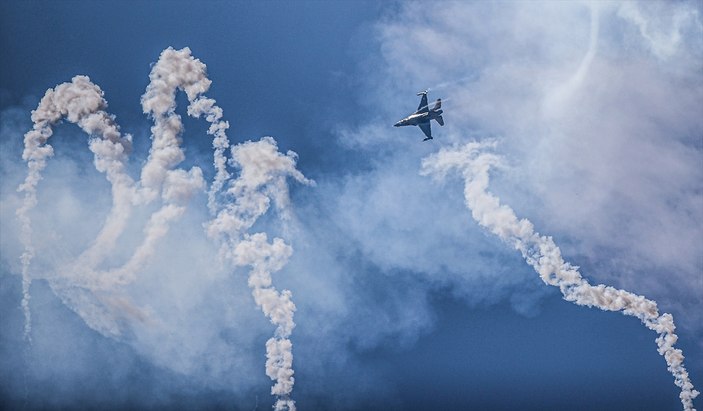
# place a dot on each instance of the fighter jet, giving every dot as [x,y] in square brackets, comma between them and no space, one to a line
[423,115]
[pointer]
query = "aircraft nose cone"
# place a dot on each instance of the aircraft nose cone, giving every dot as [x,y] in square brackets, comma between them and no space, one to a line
[397,124]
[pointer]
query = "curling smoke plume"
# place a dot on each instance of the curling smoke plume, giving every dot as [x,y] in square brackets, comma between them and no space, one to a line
[262,179]
[474,163]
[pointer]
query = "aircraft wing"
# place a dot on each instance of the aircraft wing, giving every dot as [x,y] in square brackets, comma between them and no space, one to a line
[425,127]
[422,108]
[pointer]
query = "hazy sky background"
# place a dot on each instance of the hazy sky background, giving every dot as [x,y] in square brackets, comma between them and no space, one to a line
[404,302]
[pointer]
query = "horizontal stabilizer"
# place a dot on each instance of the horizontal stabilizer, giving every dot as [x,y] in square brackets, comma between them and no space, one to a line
[440,120]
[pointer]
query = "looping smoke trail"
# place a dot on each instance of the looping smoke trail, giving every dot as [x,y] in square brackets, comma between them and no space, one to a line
[80,102]
[159,175]
[474,164]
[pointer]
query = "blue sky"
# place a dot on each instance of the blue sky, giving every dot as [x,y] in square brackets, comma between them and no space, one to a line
[403,300]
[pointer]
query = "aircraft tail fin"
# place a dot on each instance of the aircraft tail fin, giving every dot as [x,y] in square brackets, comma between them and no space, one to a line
[437,104]
[440,120]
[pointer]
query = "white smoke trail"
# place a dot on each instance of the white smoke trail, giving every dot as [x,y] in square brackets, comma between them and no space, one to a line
[178,69]
[262,178]
[175,70]
[80,102]
[218,128]
[544,256]
[266,258]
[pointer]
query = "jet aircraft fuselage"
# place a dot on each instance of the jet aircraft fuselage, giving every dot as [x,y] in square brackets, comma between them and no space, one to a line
[423,115]
[417,118]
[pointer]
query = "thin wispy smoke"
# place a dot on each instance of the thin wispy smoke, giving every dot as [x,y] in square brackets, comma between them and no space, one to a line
[474,162]
[89,289]
[556,99]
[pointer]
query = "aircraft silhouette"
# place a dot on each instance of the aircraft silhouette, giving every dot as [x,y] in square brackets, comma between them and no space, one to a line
[423,115]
